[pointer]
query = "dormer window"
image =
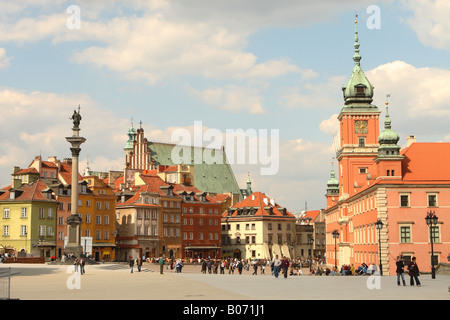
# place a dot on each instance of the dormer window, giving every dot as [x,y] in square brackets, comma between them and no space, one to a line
[360,90]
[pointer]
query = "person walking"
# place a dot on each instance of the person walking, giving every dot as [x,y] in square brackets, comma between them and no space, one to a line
[139,264]
[131,263]
[222,266]
[161,265]
[82,264]
[400,270]
[276,266]
[285,266]
[255,269]
[75,264]
[414,272]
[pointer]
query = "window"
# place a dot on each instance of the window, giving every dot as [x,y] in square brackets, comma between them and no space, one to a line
[42,230]
[432,200]
[361,142]
[106,220]
[360,90]
[405,234]
[404,200]
[23,213]
[88,218]
[98,219]
[49,213]
[6,231]
[6,213]
[362,170]
[23,230]
[99,205]
[435,234]
[88,203]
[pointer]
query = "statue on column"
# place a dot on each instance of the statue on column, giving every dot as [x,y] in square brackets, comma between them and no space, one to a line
[76,117]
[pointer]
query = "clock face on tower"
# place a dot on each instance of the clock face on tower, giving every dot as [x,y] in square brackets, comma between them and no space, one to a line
[361,126]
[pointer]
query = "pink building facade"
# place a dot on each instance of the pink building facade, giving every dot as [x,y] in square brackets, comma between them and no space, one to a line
[377,181]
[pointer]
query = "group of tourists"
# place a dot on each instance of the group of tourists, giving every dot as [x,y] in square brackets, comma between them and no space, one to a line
[79,265]
[413,272]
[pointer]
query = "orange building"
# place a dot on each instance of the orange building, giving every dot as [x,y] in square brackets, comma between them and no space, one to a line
[377,181]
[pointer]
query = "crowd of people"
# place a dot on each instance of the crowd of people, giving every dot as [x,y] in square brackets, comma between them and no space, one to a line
[286,267]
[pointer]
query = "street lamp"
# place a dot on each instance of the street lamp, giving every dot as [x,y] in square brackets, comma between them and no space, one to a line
[379,226]
[310,242]
[432,220]
[335,234]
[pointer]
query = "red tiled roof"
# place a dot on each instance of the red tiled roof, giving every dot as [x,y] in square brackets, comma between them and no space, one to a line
[32,191]
[256,199]
[27,170]
[426,161]
[221,197]
[49,164]
[312,214]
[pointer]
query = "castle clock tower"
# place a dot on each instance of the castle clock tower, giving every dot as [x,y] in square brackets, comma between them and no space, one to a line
[359,130]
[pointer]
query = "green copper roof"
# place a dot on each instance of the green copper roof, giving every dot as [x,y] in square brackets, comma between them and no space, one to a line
[358,90]
[131,137]
[333,183]
[388,139]
[212,178]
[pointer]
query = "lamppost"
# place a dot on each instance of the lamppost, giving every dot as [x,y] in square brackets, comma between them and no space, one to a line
[310,242]
[432,221]
[379,226]
[335,234]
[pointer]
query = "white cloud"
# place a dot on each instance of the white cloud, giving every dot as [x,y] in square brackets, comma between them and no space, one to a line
[415,92]
[4,60]
[430,22]
[37,122]
[231,98]
[318,95]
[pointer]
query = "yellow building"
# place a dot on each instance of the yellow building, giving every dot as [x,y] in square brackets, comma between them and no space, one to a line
[28,220]
[258,228]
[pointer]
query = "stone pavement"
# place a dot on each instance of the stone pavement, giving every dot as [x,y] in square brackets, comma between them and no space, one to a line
[116,282]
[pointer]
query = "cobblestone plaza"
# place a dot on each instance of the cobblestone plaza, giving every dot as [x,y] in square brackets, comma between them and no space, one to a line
[116,282]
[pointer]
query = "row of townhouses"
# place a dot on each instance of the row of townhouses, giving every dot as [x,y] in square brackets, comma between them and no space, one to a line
[152,208]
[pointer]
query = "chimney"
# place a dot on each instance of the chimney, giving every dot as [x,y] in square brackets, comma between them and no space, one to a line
[410,140]
[17,183]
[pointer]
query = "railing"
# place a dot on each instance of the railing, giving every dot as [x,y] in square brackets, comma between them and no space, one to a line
[5,283]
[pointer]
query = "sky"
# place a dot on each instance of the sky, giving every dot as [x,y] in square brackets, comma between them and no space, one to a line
[275,68]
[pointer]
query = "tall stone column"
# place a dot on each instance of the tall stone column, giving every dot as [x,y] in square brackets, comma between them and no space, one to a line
[74,220]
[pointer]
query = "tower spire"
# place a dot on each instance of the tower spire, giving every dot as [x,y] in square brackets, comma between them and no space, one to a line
[387,119]
[356,56]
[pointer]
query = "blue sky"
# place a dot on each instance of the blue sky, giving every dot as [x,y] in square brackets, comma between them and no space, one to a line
[230,64]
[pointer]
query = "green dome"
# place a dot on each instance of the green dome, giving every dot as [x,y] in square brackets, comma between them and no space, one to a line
[333,182]
[131,136]
[388,136]
[358,89]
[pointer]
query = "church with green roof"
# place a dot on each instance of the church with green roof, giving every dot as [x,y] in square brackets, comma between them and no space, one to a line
[213,178]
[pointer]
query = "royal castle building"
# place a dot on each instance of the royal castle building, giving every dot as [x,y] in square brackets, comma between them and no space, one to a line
[377,181]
